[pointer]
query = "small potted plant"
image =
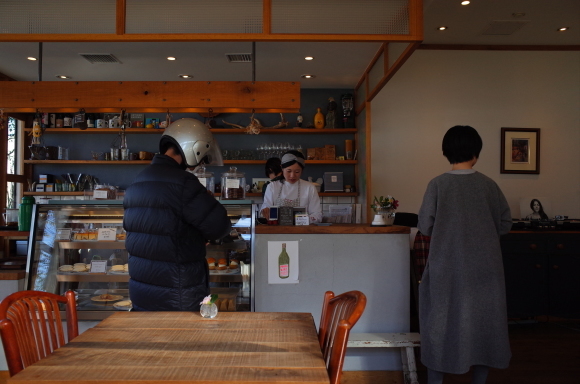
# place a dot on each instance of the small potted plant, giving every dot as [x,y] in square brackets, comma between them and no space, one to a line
[385,207]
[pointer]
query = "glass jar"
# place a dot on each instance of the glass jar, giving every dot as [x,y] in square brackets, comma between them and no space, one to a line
[205,178]
[233,185]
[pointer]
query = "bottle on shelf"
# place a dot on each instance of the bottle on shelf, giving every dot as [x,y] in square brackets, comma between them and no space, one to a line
[67,120]
[123,146]
[59,122]
[283,263]
[319,119]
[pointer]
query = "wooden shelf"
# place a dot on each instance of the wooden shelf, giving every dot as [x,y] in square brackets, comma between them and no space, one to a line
[141,162]
[93,162]
[229,131]
[249,194]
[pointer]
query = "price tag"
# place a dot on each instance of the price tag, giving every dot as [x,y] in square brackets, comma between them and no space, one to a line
[100,194]
[98,266]
[107,234]
[203,181]
[63,233]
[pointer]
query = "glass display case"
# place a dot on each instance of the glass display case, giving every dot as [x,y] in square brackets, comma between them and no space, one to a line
[80,245]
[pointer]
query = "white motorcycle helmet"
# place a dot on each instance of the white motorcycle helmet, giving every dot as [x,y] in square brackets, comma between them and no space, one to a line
[195,141]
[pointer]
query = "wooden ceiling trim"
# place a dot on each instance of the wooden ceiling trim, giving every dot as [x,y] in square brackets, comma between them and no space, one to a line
[274,96]
[473,47]
[121,16]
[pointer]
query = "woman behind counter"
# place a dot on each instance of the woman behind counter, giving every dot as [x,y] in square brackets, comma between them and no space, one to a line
[293,191]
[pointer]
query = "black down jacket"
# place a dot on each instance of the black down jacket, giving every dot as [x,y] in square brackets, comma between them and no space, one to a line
[169,216]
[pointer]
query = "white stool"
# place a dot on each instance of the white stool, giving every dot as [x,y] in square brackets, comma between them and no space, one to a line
[405,341]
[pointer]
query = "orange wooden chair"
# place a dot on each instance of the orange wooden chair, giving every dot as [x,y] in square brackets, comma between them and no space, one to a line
[339,314]
[31,327]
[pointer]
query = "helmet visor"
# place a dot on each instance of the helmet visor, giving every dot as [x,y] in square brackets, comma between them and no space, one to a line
[213,156]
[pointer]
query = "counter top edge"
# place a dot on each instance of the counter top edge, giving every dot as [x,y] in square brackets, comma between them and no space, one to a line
[331,229]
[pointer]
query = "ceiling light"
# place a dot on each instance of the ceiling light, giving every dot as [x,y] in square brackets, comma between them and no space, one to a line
[171,58]
[309,58]
[442,28]
[31,58]
[186,76]
[466,2]
[308,76]
[563,29]
[62,77]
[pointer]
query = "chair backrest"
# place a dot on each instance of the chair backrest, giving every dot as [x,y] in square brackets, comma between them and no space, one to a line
[339,314]
[406,219]
[31,326]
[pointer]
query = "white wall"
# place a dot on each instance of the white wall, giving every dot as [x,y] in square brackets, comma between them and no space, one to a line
[488,90]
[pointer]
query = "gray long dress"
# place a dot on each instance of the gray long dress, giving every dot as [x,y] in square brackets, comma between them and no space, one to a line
[462,304]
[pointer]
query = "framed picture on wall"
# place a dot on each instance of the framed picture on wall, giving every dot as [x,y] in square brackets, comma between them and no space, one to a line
[520,150]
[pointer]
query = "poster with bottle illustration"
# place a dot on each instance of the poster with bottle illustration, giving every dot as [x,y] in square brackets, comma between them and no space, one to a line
[283,262]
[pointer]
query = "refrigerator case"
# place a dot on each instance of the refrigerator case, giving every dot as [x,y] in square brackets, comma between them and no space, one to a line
[66,233]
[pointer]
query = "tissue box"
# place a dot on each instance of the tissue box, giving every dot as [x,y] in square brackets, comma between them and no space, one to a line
[333,182]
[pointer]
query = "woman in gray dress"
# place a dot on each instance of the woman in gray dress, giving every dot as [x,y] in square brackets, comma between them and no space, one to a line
[462,314]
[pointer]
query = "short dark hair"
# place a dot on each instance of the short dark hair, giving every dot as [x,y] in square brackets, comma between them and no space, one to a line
[273,165]
[461,143]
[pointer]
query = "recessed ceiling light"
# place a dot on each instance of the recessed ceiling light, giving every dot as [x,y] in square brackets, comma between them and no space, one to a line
[465,2]
[563,29]
[308,76]
[62,77]
[442,28]
[171,58]
[186,76]
[31,58]
[309,58]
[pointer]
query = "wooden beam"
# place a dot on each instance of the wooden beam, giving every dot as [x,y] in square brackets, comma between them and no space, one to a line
[467,47]
[396,65]
[152,37]
[221,96]
[121,17]
[267,17]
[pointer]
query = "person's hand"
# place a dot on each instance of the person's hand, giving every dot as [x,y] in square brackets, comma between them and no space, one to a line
[266,213]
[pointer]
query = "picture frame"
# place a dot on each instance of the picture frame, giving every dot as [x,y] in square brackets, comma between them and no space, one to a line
[520,150]
[259,182]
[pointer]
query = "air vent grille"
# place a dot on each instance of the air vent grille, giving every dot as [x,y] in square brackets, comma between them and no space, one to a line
[239,57]
[99,58]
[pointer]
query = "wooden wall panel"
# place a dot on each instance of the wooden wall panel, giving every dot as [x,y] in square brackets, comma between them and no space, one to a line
[175,96]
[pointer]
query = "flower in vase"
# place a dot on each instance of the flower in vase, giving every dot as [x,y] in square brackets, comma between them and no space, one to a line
[210,299]
[388,202]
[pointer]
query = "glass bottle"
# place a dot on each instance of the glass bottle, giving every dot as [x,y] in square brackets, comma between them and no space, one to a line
[123,146]
[59,120]
[284,263]
[67,120]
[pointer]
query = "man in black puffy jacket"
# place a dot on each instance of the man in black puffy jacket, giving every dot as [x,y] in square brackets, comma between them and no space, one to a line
[169,217]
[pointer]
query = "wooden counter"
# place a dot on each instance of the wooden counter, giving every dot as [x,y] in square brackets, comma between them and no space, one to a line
[335,229]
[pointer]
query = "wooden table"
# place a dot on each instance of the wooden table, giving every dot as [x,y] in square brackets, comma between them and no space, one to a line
[182,347]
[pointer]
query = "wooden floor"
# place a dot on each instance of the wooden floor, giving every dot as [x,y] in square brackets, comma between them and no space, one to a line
[545,352]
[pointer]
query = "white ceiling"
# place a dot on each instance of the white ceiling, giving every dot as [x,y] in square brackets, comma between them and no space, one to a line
[336,65]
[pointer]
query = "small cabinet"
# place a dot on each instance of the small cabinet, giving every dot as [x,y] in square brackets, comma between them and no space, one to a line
[540,274]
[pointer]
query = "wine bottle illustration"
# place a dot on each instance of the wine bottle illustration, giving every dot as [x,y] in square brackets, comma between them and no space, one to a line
[284,263]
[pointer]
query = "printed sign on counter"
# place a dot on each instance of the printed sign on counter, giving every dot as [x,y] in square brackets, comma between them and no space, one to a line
[98,266]
[283,262]
[107,234]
